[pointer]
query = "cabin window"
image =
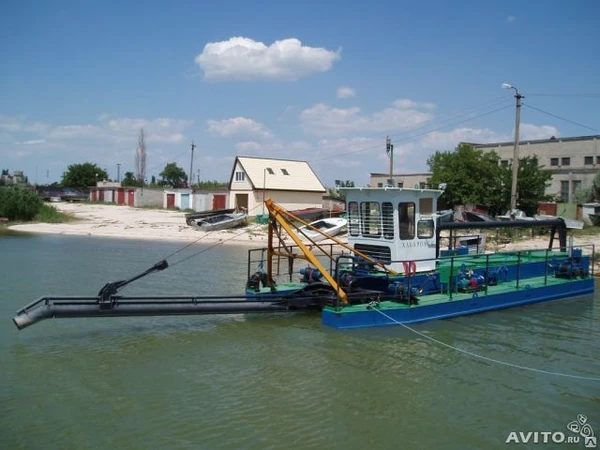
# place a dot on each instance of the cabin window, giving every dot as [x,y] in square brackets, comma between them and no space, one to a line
[377,252]
[240,176]
[406,219]
[353,218]
[425,229]
[285,172]
[371,219]
[379,184]
[270,171]
[400,185]
[387,214]
[425,206]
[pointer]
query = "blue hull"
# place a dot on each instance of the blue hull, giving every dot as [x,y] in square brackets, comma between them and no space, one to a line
[476,304]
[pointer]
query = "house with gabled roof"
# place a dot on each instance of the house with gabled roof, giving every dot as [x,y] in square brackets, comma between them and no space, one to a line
[292,184]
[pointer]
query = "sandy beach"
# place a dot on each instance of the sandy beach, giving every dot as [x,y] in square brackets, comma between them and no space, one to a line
[138,223]
[166,225]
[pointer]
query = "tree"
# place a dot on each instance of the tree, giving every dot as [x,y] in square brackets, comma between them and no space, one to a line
[83,175]
[140,157]
[474,176]
[173,175]
[532,182]
[130,180]
[471,176]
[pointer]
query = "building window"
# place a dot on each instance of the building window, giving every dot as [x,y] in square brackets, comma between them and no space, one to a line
[406,219]
[554,162]
[597,159]
[270,171]
[504,163]
[285,172]
[565,161]
[371,219]
[387,210]
[588,160]
[576,186]
[564,191]
[422,185]
[240,176]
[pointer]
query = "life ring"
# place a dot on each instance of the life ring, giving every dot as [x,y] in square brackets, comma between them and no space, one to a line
[410,267]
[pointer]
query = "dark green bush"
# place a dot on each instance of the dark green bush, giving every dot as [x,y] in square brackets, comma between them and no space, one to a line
[18,203]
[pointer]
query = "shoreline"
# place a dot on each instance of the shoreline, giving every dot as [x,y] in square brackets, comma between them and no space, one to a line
[125,222]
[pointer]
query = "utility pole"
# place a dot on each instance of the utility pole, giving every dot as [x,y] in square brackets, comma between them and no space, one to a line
[191,166]
[515,165]
[389,149]
[119,172]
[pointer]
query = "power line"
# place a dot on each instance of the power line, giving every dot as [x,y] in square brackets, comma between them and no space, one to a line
[590,95]
[562,118]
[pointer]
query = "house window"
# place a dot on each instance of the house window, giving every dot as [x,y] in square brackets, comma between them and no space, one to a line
[565,161]
[564,191]
[588,160]
[406,219]
[371,218]
[554,162]
[504,163]
[270,171]
[284,171]
[240,176]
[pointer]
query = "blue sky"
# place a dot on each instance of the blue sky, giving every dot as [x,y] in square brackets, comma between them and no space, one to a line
[319,81]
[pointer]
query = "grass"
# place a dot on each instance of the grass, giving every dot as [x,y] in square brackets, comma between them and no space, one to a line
[49,214]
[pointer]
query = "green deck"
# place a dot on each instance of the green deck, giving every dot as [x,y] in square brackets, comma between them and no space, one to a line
[433,299]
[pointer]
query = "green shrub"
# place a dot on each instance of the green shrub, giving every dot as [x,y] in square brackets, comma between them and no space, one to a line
[18,203]
[50,214]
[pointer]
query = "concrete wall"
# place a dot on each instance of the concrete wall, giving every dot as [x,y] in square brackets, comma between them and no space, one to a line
[148,197]
[290,200]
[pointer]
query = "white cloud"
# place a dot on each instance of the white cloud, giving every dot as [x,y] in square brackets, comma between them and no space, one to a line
[244,59]
[512,19]
[532,132]
[345,92]
[31,142]
[324,120]
[238,126]
[405,103]
[275,148]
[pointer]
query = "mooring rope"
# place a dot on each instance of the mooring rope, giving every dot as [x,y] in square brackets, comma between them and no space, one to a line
[486,358]
[212,246]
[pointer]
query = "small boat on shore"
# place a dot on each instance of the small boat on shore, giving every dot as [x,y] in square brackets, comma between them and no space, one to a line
[324,228]
[221,221]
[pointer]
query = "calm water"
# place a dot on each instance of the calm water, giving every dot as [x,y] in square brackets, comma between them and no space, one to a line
[269,381]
